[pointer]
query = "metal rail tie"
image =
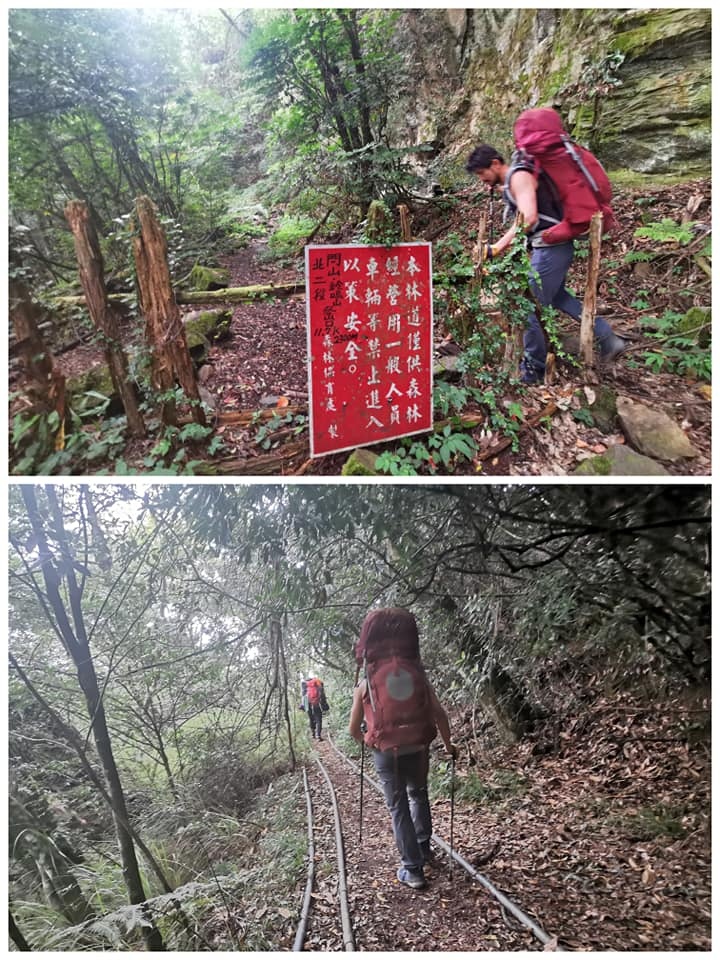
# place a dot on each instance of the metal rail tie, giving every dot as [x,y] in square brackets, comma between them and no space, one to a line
[307,899]
[348,937]
[499,896]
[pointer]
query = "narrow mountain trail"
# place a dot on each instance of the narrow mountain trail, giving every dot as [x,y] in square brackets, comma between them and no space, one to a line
[596,828]
[265,357]
[452,913]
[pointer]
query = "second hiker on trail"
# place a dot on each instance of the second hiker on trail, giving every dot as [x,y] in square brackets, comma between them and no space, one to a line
[397,713]
[314,700]
[555,210]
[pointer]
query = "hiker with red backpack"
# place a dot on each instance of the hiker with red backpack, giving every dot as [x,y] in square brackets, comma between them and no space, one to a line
[556,186]
[397,714]
[314,700]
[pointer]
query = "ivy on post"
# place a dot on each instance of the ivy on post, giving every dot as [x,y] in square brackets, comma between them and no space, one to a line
[164,331]
[91,267]
[587,320]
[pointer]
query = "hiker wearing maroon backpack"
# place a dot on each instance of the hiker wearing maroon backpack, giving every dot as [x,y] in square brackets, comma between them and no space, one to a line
[313,692]
[556,186]
[397,714]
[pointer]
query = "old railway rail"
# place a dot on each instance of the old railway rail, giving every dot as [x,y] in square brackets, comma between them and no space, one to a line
[338,910]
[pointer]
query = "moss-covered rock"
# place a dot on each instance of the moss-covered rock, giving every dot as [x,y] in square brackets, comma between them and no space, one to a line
[652,432]
[653,116]
[620,461]
[204,327]
[80,389]
[603,408]
[360,463]
[209,278]
[697,323]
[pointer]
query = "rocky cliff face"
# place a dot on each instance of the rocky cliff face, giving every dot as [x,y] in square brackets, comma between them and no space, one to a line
[634,84]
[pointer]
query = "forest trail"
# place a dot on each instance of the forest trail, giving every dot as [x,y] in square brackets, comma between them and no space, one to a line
[263,361]
[256,378]
[571,825]
[265,358]
[452,913]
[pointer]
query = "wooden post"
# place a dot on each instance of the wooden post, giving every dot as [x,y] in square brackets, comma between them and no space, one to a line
[164,330]
[587,320]
[405,228]
[90,262]
[45,383]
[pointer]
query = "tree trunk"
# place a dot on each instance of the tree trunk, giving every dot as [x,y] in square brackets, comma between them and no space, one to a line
[164,330]
[71,627]
[503,700]
[226,295]
[45,384]
[62,889]
[90,262]
[17,938]
[587,320]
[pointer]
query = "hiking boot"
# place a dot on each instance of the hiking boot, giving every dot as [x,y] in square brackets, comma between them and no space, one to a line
[319,737]
[412,878]
[611,347]
[530,375]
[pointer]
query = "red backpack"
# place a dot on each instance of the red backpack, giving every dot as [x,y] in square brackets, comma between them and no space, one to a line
[397,705]
[577,175]
[314,691]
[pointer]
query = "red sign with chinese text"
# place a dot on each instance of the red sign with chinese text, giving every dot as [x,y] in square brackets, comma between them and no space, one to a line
[370,324]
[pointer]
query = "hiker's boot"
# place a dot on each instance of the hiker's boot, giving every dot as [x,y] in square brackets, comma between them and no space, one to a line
[412,878]
[611,347]
[531,373]
[319,737]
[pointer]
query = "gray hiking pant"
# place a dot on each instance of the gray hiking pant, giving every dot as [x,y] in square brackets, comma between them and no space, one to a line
[404,783]
[552,264]
[315,717]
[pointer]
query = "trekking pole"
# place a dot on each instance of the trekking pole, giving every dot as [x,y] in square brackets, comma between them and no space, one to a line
[452,811]
[362,781]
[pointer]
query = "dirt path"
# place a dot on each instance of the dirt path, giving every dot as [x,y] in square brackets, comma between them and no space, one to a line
[452,913]
[597,827]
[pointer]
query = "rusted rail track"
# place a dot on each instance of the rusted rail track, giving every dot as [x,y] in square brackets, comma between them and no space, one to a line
[347,934]
[505,902]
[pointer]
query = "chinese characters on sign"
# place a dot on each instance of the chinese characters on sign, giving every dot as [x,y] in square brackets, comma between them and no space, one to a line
[369,344]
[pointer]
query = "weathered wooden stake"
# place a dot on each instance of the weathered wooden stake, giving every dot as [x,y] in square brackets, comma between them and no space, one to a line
[405,228]
[90,262]
[587,320]
[164,330]
[45,383]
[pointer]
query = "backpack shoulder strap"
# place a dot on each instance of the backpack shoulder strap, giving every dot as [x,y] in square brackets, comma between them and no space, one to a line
[522,160]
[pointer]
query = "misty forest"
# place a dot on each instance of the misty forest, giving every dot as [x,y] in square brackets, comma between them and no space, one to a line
[159,758]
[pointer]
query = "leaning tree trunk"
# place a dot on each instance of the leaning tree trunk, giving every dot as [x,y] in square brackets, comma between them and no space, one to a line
[164,330]
[90,262]
[70,626]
